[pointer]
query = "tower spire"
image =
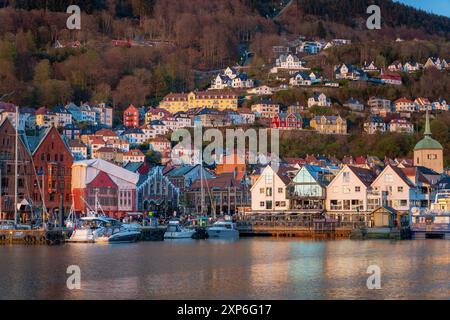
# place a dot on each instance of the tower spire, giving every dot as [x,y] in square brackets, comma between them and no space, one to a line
[427,132]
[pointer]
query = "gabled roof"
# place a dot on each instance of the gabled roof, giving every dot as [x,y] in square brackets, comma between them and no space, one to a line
[366,176]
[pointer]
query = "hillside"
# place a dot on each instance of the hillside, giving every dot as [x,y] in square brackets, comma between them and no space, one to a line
[188,37]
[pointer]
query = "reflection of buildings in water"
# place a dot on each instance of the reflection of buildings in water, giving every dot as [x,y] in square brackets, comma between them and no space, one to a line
[305,268]
[268,269]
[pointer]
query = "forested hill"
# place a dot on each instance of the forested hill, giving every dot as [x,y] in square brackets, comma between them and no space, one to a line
[347,12]
[192,37]
[394,14]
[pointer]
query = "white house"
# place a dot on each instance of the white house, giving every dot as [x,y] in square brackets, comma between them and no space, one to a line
[374,124]
[370,67]
[392,188]
[320,100]
[289,62]
[405,105]
[423,104]
[347,198]
[134,155]
[269,192]
[412,67]
[441,105]
[261,91]
[401,126]
[300,79]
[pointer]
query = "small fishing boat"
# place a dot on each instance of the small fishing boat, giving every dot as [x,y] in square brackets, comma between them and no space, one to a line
[103,230]
[176,231]
[223,230]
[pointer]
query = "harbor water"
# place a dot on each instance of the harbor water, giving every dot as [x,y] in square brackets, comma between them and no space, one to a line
[250,268]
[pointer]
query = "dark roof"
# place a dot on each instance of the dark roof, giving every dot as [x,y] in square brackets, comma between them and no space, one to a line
[365,175]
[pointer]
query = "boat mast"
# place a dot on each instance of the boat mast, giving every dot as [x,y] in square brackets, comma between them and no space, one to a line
[1,198]
[15,165]
[202,192]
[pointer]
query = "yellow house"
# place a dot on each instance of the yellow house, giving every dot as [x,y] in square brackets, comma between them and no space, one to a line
[45,118]
[176,102]
[329,125]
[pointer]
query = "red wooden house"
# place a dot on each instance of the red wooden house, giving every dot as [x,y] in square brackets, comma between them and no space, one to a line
[287,121]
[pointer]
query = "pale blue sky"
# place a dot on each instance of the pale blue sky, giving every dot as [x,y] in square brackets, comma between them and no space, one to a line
[441,7]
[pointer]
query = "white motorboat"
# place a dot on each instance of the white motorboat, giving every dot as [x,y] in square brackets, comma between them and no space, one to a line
[223,230]
[102,230]
[176,231]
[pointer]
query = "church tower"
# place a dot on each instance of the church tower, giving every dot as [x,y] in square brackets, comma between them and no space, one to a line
[428,152]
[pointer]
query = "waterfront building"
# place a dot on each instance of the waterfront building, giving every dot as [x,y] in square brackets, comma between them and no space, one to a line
[184,176]
[347,195]
[395,190]
[269,192]
[99,183]
[219,100]
[7,162]
[307,190]
[223,194]
[428,152]
[52,161]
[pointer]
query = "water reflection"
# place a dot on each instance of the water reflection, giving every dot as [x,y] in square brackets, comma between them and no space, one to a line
[224,269]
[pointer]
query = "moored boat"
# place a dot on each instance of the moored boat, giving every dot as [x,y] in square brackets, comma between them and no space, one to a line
[223,230]
[102,230]
[176,231]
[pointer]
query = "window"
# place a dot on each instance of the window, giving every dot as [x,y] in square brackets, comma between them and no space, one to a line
[388,178]
[346,190]
[357,189]
[269,205]
[268,192]
[261,190]
[400,189]
[277,204]
[283,203]
[346,177]
[335,189]
[280,190]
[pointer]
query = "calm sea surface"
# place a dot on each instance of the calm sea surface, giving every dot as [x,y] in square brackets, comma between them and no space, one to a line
[260,268]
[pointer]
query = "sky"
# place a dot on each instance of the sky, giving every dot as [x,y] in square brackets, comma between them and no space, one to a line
[441,7]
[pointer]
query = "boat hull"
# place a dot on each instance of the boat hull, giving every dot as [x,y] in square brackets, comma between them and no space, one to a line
[222,234]
[179,235]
